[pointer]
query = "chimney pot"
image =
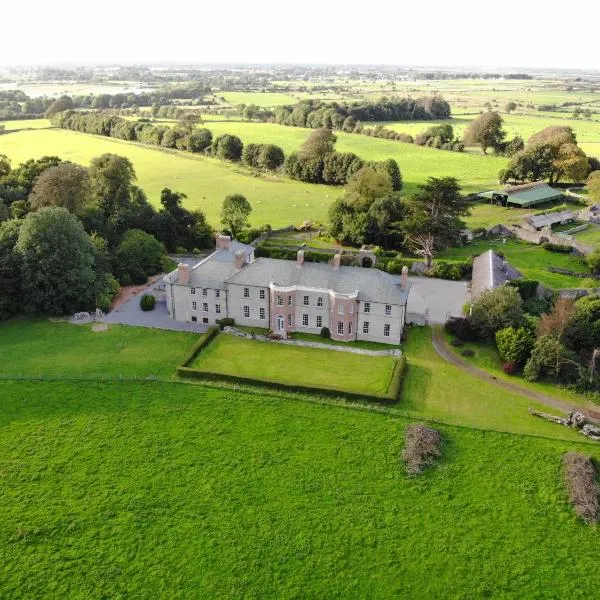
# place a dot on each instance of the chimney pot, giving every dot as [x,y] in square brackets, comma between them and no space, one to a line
[337,261]
[223,242]
[183,273]
[404,277]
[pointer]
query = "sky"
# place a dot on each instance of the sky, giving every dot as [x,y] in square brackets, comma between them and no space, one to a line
[509,33]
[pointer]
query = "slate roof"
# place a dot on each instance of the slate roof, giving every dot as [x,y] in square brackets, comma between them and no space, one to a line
[550,219]
[490,271]
[372,285]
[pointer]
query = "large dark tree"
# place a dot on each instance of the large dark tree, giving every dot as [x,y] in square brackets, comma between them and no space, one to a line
[11,296]
[434,216]
[318,145]
[138,255]
[58,262]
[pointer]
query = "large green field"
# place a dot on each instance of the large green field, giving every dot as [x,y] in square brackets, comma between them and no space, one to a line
[297,365]
[206,181]
[157,490]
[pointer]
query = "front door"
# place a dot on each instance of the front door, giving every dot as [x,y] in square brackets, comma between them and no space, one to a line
[280,323]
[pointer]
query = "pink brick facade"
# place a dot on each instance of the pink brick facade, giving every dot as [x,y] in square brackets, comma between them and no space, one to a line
[343,317]
[282,309]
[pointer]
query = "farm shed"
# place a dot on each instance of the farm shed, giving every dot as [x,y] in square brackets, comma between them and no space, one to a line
[549,219]
[490,271]
[526,195]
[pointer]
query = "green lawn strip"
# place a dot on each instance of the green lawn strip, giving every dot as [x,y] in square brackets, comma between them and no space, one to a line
[531,260]
[296,365]
[37,347]
[163,490]
[486,357]
[311,337]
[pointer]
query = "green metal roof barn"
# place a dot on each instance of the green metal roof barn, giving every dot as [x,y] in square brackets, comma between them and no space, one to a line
[526,195]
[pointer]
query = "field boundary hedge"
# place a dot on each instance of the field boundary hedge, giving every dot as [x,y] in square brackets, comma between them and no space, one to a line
[392,394]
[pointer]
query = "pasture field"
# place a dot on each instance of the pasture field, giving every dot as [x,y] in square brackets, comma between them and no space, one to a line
[37,347]
[156,490]
[531,260]
[206,181]
[297,365]
[25,124]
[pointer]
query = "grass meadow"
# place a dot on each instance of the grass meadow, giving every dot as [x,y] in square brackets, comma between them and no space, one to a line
[297,365]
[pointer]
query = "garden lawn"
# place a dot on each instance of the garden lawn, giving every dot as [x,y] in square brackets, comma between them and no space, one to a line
[162,491]
[297,365]
[206,181]
[531,260]
[35,347]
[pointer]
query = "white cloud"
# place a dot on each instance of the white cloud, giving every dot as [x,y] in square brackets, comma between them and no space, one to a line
[464,32]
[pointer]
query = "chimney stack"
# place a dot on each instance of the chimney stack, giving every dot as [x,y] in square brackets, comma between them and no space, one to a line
[404,277]
[183,273]
[300,258]
[240,259]
[337,260]
[223,242]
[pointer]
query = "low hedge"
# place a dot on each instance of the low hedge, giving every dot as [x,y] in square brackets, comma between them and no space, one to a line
[199,346]
[392,395]
[560,248]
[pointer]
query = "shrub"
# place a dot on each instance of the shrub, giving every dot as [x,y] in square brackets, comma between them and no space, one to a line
[422,447]
[457,343]
[550,358]
[467,352]
[225,322]
[147,302]
[325,333]
[461,328]
[510,368]
[496,309]
[580,475]
[527,288]
[560,248]
[514,345]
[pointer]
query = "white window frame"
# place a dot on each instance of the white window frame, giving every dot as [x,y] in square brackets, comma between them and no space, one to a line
[320,301]
[261,294]
[340,328]
[204,292]
[262,314]
[289,320]
[218,309]
[304,320]
[388,309]
[367,307]
[349,327]
[289,300]
[217,293]
[205,307]
[246,312]
[305,300]
[340,309]
[194,306]
[279,300]
[246,292]
[319,321]
[386,330]
[365,327]
[193,291]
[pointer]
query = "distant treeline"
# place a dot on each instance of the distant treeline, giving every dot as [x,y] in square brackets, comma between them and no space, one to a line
[457,75]
[346,116]
[334,169]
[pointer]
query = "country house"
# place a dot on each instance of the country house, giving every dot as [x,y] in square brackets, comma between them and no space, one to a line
[354,303]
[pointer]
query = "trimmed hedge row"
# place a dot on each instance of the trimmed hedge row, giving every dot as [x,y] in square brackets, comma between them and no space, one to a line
[392,395]
[199,346]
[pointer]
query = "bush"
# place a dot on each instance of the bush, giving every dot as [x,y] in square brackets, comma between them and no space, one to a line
[147,302]
[527,288]
[510,368]
[560,248]
[451,271]
[496,309]
[325,333]
[226,322]
[422,448]
[467,352]
[461,328]
[457,343]
[580,476]
[514,345]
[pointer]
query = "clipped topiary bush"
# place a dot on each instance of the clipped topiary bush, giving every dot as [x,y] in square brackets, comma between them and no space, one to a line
[225,322]
[325,333]
[147,302]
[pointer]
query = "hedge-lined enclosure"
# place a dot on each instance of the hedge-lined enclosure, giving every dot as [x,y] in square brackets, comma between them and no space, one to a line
[287,367]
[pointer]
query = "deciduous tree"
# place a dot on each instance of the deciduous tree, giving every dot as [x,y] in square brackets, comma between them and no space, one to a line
[235,212]
[485,131]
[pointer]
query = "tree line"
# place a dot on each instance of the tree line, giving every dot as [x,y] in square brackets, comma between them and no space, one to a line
[346,116]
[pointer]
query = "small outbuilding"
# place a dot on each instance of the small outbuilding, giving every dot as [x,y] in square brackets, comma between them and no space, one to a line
[490,271]
[562,217]
[524,196]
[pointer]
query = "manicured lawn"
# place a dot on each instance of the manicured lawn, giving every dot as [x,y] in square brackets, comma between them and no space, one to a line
[311,337]
[531,260]
[295,365]
[176,491]
[206,181]
[39,347]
